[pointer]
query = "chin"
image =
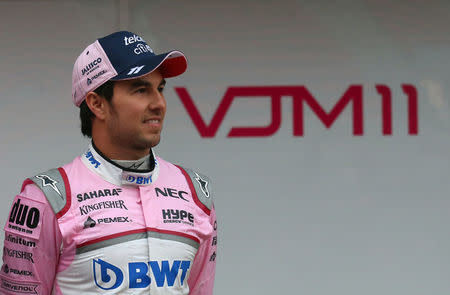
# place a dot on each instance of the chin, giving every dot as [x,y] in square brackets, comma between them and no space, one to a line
[155,141]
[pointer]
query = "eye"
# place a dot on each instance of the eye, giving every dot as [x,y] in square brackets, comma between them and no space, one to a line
[141,90]
[161,88]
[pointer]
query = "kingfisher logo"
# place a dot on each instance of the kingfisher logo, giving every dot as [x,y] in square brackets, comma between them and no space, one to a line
[118,204]
[140,274]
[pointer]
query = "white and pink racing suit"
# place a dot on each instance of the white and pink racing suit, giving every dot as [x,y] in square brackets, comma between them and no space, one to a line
[92,227]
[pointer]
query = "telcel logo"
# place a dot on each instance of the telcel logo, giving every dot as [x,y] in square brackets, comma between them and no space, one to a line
[109,277]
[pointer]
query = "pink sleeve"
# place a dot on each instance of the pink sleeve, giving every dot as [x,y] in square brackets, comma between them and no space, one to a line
[201,279]
[32,245]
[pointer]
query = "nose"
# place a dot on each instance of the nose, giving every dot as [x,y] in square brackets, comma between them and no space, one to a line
[157,101]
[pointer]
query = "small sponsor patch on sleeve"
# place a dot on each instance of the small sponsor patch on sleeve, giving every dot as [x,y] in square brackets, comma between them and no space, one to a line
[9,286]
[25,217]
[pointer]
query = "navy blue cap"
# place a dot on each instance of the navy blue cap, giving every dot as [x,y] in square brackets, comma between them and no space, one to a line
[119,56]
[132,57]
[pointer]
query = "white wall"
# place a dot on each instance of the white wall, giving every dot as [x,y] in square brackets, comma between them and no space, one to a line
[325,213]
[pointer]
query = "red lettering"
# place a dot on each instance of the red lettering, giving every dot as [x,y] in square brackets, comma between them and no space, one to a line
[386,108]
[275,94]
[353,93]
[413,118]
[300,94]
[205,130]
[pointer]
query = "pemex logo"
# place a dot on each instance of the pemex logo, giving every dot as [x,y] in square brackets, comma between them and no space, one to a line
[89,223]
[106,275]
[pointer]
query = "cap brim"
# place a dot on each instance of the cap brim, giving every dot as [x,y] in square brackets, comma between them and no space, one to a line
[170,64]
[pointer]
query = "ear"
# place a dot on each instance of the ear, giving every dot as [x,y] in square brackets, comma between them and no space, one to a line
[97,104]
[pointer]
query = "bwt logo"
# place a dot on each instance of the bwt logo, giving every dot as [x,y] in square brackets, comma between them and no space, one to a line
[300,95]
[109,277]
[139,179]
[92,159]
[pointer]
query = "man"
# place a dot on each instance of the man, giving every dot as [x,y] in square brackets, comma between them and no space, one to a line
[117,219]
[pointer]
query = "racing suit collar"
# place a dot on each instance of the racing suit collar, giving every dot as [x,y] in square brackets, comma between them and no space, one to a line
[94,159]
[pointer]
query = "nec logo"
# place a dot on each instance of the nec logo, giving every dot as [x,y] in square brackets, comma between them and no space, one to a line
[171,192]
[300,94]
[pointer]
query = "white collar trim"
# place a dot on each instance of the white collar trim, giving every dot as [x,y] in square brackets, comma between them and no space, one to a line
[116,175]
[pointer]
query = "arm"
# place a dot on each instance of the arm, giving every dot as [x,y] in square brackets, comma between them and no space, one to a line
[32,245]
[201,279]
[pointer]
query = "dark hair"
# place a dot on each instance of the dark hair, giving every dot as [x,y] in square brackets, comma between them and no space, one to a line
[106,90]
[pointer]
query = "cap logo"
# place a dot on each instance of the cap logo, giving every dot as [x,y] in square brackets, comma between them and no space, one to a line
[140,48]
[90,80]
[91,66]
[135,70]
[132,39]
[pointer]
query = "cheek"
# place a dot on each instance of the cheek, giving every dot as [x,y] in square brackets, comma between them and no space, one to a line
[124,117]
[164,107]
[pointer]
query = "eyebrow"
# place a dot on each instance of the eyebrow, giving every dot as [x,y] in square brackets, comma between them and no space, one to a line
[141,82]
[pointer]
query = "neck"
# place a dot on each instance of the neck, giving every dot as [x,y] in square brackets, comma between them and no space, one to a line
[114,173]
[148,159]
[116,152]
[141,164]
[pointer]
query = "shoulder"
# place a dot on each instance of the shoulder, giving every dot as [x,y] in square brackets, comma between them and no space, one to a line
[55,187]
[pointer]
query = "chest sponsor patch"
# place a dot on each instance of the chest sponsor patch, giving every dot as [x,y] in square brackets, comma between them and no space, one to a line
[141,274]
[177,216]
[98,194]
[25,217]
[117,204]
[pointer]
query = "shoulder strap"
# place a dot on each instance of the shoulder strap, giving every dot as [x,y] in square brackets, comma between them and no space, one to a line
[201,184]
[53,186]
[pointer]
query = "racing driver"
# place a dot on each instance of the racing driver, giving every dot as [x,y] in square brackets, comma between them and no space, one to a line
[117,219]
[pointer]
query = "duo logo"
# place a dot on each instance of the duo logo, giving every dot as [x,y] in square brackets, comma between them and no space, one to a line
[108,276]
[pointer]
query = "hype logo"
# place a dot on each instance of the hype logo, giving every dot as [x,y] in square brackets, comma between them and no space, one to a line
[106,270]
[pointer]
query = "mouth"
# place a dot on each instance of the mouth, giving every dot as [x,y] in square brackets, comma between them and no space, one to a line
[154,122]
